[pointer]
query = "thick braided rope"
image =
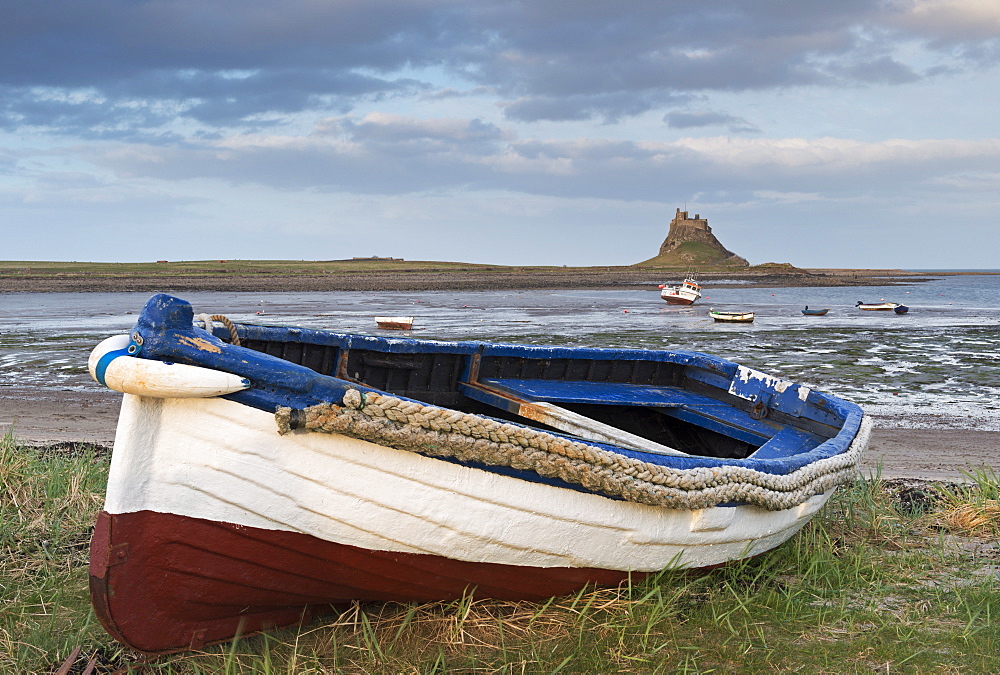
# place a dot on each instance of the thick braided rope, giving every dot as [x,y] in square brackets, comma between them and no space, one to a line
[234,338]
[439,432]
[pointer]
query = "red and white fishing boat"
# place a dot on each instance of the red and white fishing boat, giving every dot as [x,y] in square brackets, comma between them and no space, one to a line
[261,474]
[685,293]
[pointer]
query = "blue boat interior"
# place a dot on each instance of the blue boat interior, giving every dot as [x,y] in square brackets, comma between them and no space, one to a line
[698,404]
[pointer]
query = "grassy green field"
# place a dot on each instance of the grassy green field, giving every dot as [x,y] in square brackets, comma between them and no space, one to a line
[203,267]
[14,268]
[880,581]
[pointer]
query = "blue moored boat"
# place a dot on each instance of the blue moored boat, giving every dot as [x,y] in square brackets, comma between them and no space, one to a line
[815,312]
[263,473]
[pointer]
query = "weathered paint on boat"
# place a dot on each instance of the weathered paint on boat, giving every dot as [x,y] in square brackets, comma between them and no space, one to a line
[111,364]
[215,525]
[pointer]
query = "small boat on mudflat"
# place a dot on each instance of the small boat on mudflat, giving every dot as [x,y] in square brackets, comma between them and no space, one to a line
[731,317]
[261,474]
[394,322]
[815,312]
[878,306]
[901,309]
[685,293]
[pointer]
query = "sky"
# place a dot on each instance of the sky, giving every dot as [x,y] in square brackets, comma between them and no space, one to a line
[854,133]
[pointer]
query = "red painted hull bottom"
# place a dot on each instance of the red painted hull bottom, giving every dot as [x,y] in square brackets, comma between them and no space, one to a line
[163,583]
[671,300]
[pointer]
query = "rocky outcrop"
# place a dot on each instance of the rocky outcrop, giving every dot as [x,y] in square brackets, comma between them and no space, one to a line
[690,243]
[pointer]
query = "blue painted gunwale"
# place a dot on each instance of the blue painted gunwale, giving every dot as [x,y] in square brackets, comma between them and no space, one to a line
[168,334]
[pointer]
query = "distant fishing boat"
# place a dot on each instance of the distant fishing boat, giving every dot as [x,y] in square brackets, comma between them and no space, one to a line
[879,307]
[262,473]
[394,322]
[685,293]
[731,317]
[815,312]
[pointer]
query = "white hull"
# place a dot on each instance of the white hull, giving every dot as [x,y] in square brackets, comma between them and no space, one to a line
[394,322]
[219,460]
[732,317]
[685,293]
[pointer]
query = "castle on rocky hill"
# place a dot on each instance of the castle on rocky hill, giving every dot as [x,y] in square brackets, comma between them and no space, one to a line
[690,243]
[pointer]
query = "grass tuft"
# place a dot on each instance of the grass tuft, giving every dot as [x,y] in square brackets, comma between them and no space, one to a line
[972,507]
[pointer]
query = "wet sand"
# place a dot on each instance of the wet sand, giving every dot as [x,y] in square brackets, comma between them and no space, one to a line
[53,416]
[403,278]
[925,454]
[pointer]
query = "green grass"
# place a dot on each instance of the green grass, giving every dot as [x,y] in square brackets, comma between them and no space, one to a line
[214,267]
[875,582]
[48,500]
[700,255]
[193,268]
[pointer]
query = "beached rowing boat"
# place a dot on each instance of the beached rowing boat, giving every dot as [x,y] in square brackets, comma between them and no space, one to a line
[731,317]
[261,474]
[815,312]
[878,306]
[394,322]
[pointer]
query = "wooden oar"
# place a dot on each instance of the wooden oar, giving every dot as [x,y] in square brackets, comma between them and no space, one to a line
[564,420]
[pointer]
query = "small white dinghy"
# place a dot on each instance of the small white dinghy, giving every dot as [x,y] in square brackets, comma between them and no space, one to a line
[731,317]
[394,322]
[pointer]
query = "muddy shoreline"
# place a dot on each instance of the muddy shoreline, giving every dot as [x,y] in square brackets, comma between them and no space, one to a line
[403,279]
[52,416]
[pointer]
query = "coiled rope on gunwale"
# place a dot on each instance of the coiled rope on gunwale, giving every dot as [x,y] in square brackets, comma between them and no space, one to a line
[234,337]
[440,432]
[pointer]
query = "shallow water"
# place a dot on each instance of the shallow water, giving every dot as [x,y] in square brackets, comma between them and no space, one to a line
[937,366]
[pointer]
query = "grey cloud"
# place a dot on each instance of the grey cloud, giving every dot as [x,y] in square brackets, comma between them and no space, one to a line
[417,139]
[945,24]
[233,62]
[69,43]
[565,62]
[688,120]
[8,163]
[70,180]
[85,115]
[986,53]
[610,107]
[592,151]
[881,70]
[219,63]
[376,158]
[396,130]
[550,108]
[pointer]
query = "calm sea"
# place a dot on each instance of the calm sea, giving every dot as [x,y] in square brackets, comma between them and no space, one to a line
[938,366]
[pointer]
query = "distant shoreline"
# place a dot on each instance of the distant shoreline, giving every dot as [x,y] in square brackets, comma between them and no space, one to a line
[382,274]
